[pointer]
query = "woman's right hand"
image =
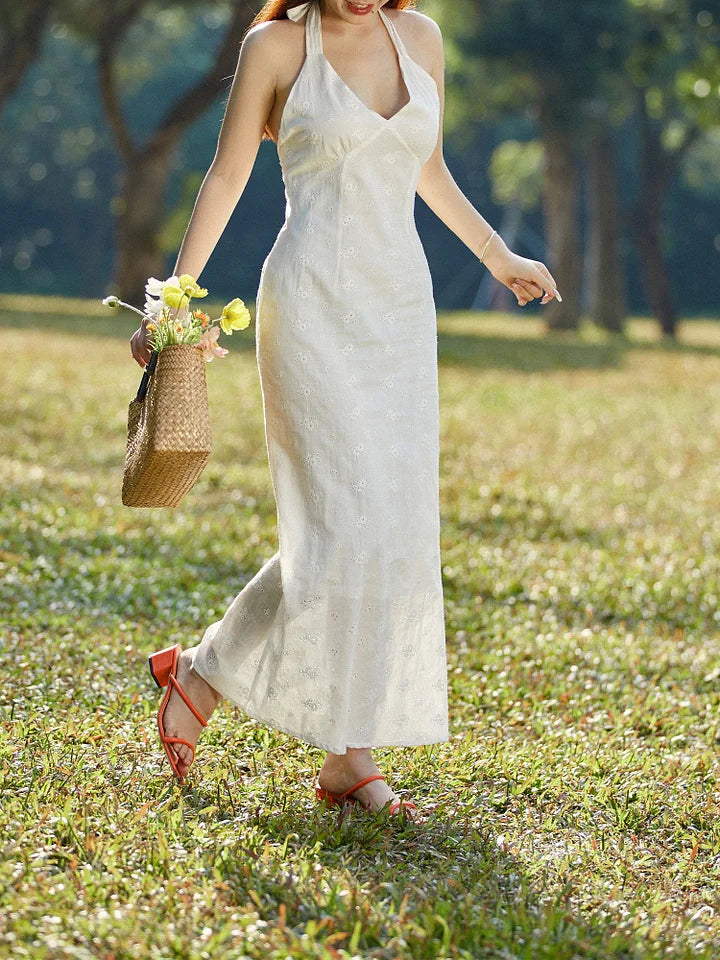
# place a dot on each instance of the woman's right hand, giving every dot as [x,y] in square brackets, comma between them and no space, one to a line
[140,345]
[526,278]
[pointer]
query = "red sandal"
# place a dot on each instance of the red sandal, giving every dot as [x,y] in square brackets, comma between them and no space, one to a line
[332,799]
[162,668]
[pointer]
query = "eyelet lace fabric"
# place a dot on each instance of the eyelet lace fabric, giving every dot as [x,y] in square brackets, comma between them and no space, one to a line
[339,638]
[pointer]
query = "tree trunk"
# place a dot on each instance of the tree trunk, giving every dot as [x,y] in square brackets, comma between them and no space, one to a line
[142,211]
[646,219]
[21,33]
[606,279]
[560,196]
[147,168]
[658,290]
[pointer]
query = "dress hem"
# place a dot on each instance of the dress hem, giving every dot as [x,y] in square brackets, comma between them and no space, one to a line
[424,740]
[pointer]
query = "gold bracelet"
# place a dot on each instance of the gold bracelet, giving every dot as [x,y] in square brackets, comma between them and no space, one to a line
[482,255]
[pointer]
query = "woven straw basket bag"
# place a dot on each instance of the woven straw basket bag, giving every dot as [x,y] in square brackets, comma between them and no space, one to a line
[168,437]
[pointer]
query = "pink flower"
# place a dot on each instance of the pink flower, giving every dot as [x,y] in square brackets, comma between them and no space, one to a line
[208,344]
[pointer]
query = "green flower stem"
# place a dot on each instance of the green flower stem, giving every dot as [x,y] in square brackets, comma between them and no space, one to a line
[182,297]
[129,306]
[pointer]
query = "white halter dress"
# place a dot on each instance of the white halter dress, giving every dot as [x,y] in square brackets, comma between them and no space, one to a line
[339,638]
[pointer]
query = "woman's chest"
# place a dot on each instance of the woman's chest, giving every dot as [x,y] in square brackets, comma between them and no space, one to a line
[325,117]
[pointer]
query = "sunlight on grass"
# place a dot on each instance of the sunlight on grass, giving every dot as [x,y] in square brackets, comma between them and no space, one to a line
[574,812]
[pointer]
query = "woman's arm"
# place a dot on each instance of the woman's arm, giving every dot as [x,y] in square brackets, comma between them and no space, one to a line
[437,187]
[251,98]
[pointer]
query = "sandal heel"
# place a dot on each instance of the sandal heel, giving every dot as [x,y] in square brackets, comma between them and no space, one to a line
[161,664]
[329,798]
[338,799]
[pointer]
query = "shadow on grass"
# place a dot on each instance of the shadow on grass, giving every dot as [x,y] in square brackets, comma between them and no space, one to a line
[555,350]
[468,889]
[527,354]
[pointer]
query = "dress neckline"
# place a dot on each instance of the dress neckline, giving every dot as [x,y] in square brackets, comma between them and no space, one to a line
[398,46]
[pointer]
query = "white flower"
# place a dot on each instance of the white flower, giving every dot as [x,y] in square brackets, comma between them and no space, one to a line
[153,307]
[155,287]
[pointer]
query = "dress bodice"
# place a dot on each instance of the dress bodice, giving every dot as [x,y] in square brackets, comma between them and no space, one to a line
[350,178]
[324,122]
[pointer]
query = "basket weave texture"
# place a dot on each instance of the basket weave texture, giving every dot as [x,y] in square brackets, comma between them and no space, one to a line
[168,437]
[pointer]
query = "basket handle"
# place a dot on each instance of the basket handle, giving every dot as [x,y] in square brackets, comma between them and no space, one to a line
[147,373]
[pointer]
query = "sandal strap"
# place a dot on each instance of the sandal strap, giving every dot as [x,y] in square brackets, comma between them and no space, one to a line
[361,783]
[401,803]
[188,701]
[179,740]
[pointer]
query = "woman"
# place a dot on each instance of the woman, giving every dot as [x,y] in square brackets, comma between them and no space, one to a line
[339,638]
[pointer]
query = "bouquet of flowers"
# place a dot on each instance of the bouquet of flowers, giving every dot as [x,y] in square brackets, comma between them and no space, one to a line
[170,319]
[168,434]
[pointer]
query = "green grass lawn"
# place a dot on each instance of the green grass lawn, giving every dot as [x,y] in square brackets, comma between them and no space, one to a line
[577,800]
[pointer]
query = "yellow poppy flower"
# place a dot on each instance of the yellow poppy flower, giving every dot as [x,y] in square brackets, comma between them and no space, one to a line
[191,287]
[235,316]
[172,295]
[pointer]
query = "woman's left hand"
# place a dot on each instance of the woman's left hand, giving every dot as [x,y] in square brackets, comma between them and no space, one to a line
[527,279]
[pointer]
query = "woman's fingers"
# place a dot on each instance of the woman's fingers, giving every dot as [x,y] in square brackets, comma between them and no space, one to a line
[542,284]
[139,348]
[134,349]
[526,290]
[548,276]
[519,293]
[548,283]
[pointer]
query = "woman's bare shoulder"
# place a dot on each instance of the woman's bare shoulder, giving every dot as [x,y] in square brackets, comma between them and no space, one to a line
[420,33]
[275,38]
[416,23]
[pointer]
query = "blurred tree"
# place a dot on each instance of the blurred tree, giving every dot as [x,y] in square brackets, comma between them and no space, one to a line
[552,57]
[604,272]
[21,28]
[142,205]
[674,68]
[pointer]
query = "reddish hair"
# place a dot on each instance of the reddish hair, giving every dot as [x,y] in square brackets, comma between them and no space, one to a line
[277,10]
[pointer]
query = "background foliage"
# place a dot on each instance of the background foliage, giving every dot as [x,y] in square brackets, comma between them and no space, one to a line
[60,176]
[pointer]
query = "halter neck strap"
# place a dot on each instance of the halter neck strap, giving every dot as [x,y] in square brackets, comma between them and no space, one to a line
[313,31]
[394,35]
[313,36]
